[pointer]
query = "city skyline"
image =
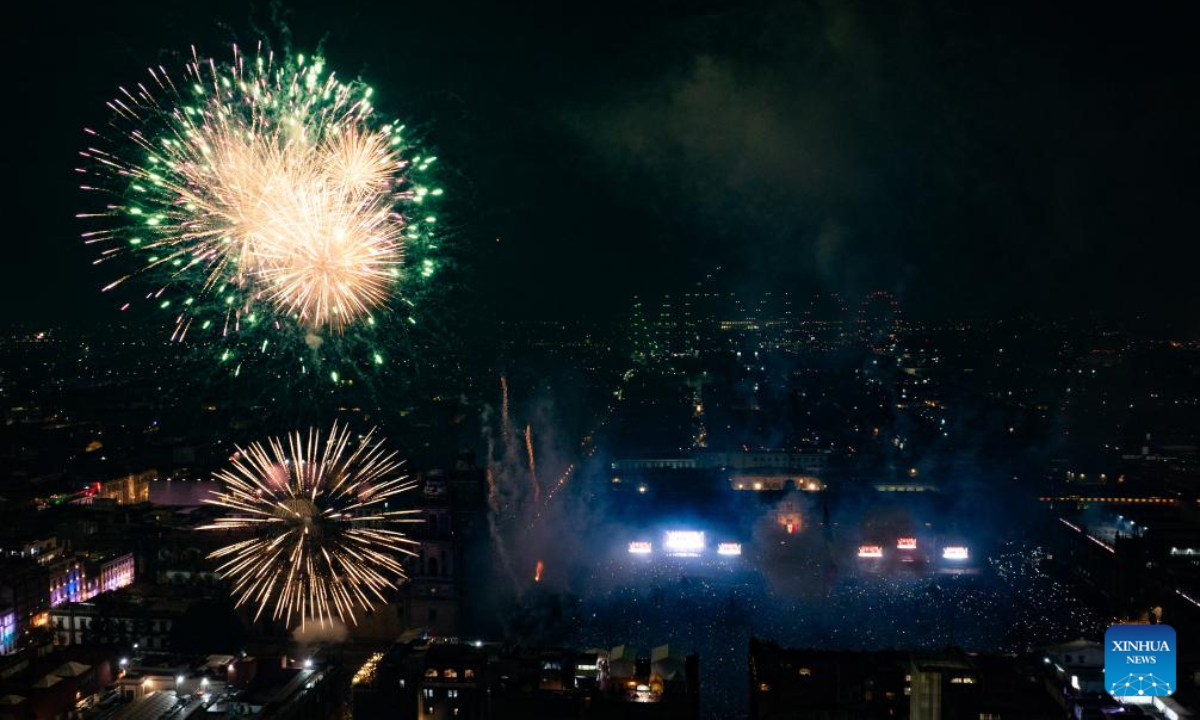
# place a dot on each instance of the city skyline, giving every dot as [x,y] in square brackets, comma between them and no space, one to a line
[805,359]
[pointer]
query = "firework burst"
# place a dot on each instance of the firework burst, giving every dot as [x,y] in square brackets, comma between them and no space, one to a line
[323,540]
[260,195]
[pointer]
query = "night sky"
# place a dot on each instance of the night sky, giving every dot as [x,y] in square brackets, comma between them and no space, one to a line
[976,159]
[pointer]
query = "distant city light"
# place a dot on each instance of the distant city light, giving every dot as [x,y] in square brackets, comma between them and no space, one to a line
[906,543]
[870,551]
[640,548]
[955,552]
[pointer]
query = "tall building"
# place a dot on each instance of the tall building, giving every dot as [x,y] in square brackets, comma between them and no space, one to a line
[642,340]
[452,517]
[431,595]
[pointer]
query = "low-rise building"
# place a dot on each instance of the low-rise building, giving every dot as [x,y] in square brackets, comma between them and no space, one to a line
[803,684]
[25,588]
[79,578]
[441,678]
[118,618]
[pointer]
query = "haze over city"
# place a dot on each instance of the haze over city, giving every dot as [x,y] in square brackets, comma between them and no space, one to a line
[711,360]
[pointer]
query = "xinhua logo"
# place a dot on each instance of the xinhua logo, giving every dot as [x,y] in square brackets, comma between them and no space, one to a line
[1139,660]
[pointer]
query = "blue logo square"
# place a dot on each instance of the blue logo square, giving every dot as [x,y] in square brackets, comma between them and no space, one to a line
[1139,660]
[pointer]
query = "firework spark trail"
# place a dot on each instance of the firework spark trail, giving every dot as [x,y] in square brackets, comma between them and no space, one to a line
[508,477]
[587,449]
[505,423]
[261,191]
[493,494]
[323,538]
[533,480]
[495,518]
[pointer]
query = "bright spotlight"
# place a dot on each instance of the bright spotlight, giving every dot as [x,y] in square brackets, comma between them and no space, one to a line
[684,543]
[729,548]
[640,548]
[955,552]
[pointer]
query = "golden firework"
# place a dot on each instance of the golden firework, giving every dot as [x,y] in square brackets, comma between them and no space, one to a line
[322,535]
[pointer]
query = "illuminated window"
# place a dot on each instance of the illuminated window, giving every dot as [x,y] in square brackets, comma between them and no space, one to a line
[806,671]
[431,673]
[468,673]
[450,674]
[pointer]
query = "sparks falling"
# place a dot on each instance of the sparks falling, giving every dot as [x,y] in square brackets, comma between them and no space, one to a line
[505,427]
[323,540]
[260,193]
[533,481]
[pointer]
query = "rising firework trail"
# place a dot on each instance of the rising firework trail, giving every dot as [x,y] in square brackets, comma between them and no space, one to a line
[260,202]
[323,540]
[587,448]
[505,427]
[533,480]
